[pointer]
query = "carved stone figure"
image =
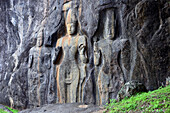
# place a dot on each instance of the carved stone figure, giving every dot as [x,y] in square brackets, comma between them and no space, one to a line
[71,58]
[38,73]
[107,68]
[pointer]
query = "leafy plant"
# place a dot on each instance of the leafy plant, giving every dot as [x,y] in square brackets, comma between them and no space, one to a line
[153,101]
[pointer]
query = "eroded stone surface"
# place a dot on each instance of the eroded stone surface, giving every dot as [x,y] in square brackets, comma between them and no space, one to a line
[89,65]
[108,72]
[130,88]
[71,62]
[39,73]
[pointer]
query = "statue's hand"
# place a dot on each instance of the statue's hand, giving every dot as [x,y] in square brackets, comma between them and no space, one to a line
[83,55]
[57,51]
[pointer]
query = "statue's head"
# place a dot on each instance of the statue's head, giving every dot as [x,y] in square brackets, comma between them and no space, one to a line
[109,25]
[71,22]
[40,39]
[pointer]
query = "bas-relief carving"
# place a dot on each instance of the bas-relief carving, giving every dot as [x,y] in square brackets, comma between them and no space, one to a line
[38,73]
[70,58]
[109,77]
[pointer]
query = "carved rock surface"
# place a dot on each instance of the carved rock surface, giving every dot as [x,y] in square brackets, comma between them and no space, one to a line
[144,57]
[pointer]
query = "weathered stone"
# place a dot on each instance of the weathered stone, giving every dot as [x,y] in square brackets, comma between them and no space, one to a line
[101,55]
[39,73]
[108,71]
[130,88]
[71,64]
[167,81]
[148,63]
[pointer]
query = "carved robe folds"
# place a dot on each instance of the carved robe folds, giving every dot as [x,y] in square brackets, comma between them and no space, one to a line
[110,76]
[39,73]
[38,76]
[70,74]
[107,60]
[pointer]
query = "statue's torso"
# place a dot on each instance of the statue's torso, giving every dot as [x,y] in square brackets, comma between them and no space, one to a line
[68,70]
[41,59]
[106,55]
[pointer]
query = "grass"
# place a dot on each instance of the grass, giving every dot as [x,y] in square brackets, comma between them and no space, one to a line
[155,101]
[12,110]
[2,111]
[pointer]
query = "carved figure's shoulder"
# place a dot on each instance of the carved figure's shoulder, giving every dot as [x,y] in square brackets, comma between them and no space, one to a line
[82,37]
[101,43]
[59,41]
[32,50]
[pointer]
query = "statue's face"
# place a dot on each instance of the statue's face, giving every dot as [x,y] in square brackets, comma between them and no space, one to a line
[109,25]
[109,32]
[71,28]
[39,42]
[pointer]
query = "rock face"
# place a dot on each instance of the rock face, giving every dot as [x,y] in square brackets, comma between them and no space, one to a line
[65,51]
[130,88]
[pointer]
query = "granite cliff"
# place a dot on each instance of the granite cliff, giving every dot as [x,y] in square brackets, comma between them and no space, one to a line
[66,51]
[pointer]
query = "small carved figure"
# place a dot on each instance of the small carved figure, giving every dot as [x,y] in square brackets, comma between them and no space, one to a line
[38,73]
[69,54]
[106,53]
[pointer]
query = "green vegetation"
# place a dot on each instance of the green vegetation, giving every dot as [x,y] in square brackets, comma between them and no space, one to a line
[2,111]
[155,101]
[13,110]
